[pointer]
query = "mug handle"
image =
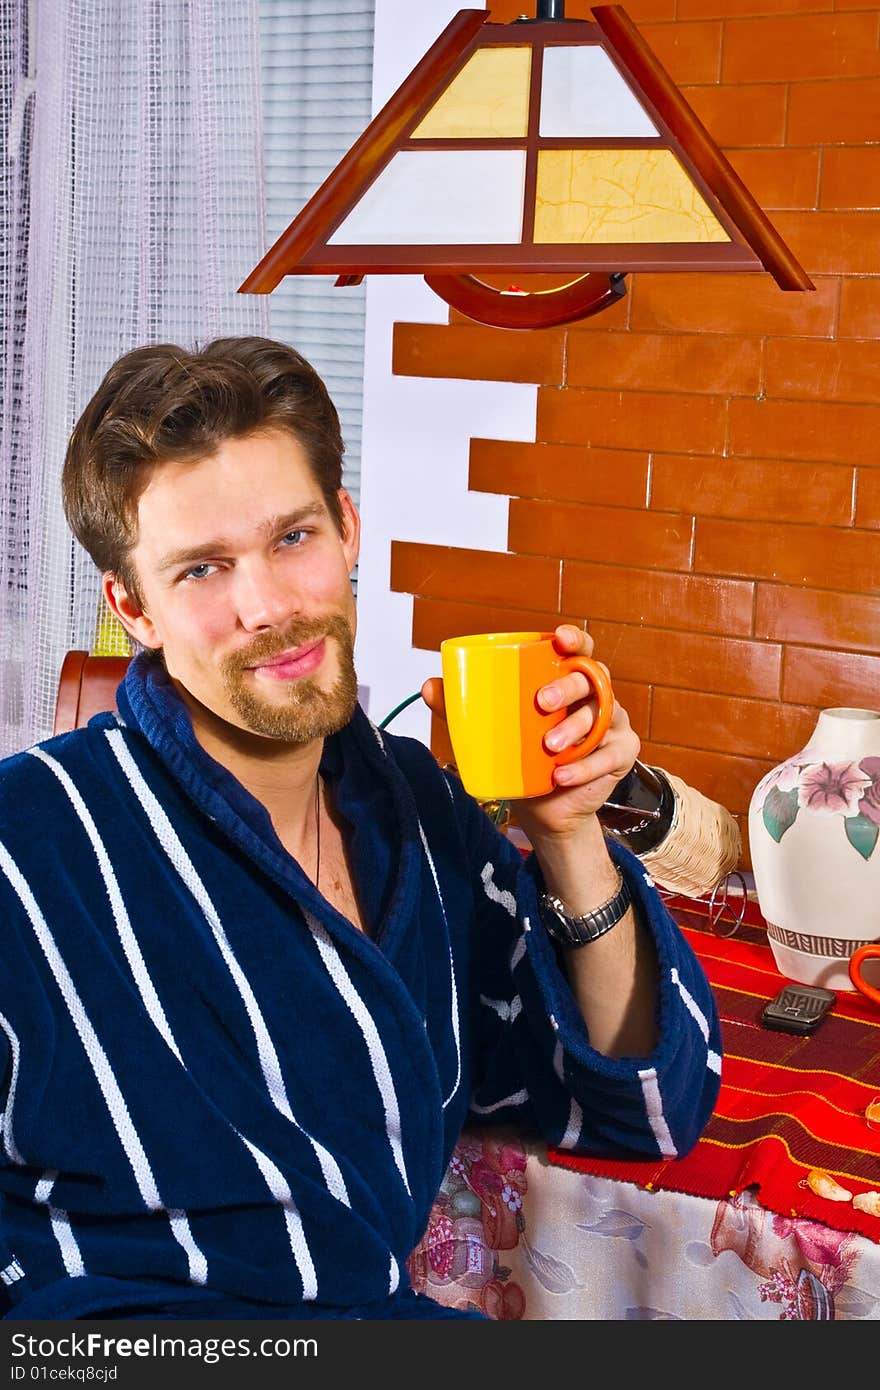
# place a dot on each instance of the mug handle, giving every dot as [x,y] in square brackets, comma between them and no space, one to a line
[601,683]
[856,961]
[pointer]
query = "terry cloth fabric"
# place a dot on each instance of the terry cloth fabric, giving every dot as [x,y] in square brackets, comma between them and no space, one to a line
[787,1104]
[216,1087]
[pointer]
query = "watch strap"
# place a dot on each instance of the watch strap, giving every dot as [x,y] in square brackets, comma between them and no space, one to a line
[580,931]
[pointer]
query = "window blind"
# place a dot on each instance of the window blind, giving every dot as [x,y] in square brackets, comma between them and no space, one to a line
[317,64]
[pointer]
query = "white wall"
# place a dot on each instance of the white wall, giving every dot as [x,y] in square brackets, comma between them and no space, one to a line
[416,432]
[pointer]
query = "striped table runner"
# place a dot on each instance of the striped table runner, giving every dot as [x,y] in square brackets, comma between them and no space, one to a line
[788,1105]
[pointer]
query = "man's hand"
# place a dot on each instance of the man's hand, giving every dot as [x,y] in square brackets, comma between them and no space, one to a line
[614,979]
[580,787]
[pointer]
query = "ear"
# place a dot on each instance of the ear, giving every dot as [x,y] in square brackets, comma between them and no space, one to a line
[129,612]
[351,529]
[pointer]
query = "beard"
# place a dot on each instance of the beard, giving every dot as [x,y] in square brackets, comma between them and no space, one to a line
[309,712]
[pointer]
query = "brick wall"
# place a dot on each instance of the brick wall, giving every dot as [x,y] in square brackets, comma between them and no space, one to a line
[704,487]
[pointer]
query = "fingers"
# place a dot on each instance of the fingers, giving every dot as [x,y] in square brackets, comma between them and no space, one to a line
[572,640]
[565,690]
[618,749]
[574,686]
[612,759]
[432,694]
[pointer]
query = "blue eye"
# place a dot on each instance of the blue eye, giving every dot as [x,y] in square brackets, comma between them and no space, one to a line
[199,571]
[293,538]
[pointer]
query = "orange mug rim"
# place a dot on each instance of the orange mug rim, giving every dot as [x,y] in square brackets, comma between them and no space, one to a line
[527,638]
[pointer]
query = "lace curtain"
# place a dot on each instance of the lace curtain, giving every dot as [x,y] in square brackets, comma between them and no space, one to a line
[130,147]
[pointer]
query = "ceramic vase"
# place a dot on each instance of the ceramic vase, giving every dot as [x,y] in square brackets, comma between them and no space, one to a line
[814,834]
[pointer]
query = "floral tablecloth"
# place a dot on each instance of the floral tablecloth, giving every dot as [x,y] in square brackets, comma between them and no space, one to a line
[518,1237]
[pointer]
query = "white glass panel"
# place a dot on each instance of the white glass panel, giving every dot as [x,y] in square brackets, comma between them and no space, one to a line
[583,94]
[440,197]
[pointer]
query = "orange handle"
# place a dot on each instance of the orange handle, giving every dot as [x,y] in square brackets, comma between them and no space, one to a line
[601,683]
[856,961]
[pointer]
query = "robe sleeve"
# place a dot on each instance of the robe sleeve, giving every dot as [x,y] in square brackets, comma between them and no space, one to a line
[535,1062]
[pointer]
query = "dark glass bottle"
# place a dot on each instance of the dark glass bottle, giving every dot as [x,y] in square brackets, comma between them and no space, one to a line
[640,809]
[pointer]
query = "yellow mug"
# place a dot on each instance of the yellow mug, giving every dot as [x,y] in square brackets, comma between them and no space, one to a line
[497,728]
[856,964]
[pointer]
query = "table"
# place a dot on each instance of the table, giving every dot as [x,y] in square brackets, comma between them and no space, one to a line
[730,1232]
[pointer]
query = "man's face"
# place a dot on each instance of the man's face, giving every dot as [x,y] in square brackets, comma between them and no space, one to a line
[244,580]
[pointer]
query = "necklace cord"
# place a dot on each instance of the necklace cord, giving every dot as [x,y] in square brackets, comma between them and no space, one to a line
[317,831]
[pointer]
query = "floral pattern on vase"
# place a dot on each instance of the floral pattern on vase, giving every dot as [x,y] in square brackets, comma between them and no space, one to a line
[847,789]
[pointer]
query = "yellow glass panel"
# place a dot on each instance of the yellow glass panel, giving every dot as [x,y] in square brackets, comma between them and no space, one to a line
[111,638]
[489,97]
[619,195]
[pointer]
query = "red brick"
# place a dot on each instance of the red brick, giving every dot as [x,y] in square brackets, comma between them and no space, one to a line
[843,112]
[851,178]
[689,52]
[632,420]
[800,368]
[655,599]
[753,489]
[636,700]
[729,9]
[688,660]
[805,430]
[642,361]
[822,556]
[742,115]
[717,723]
[818,617]
[745,861]
[868,498]
[434,620]
[779,178]
[729,780]
[749,304]
[607,535]
[832,243]
[800,47]
[480,354]
[438,571]
[566,472]
[826,679]
[639,11]
[859,308]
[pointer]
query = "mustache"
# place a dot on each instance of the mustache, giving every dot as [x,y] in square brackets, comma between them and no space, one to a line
[268,644]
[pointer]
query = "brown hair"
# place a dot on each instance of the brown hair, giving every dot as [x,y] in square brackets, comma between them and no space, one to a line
[163,404]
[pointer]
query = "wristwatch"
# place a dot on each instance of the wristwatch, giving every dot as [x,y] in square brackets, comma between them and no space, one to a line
[579,931]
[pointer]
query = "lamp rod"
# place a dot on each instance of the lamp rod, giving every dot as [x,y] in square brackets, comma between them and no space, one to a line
[550,9]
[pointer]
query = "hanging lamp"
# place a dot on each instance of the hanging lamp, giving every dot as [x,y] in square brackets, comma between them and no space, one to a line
[542,147]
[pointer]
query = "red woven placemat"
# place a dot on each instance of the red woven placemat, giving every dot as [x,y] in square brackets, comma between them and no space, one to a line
[787,1105]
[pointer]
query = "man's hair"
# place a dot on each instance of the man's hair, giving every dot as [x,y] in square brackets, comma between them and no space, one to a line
[163,404]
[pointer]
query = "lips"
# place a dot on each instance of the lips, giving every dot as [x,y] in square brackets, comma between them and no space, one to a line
[291,665]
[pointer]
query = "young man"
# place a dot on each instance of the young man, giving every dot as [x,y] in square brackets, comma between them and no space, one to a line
[261,960]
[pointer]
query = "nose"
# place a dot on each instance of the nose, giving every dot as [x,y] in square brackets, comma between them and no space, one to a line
[263,597]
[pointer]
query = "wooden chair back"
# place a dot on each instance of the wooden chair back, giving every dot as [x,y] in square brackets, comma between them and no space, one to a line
[86,686]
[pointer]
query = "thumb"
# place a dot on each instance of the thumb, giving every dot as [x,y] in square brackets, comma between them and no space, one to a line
[432,694]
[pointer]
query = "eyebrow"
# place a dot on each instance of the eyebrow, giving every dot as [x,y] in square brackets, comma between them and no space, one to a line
[272,526]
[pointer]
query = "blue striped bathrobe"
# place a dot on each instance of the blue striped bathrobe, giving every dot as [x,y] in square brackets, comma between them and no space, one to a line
[220,1098]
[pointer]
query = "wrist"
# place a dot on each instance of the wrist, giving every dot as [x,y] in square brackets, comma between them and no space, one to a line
[579,929]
